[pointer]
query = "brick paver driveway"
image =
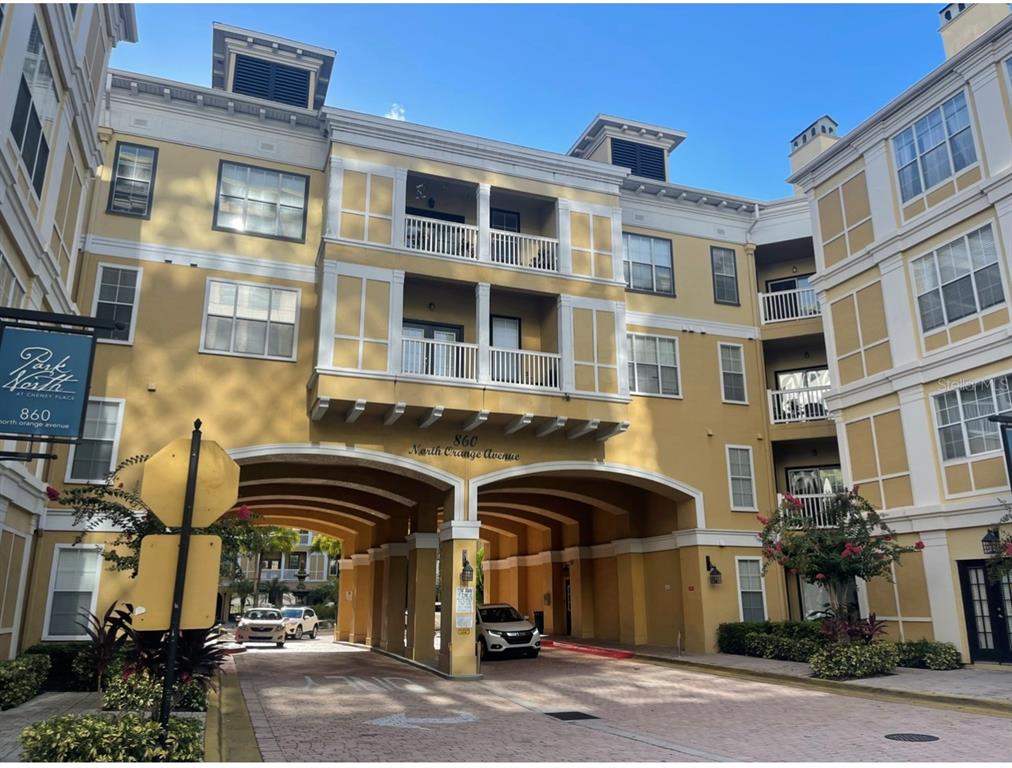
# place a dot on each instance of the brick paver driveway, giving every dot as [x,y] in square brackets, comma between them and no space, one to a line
[317,700]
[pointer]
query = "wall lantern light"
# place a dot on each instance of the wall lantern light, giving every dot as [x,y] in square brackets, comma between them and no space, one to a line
[991,542]
[716,577]
[467,572]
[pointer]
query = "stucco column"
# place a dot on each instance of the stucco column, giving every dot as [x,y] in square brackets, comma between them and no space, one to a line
[581,587]
[396,320]
[1004,210]
[335,177]
[899,321]
[482,324]
[377,557]
[344,626]
[362,597]
[566,344]
[992,126]
[457,647]
[918,438]
[563,209]
[395,581]
[484,222]
[399,203]
[421,597]
[945,622]
[632,608]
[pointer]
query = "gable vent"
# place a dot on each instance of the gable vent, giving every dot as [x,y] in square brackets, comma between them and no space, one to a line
[642,159]
[271,81]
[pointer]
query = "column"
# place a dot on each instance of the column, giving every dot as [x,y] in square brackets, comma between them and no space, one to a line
[918,439]
[399,203]
[621,349]
[362,597]
[899,320]
[992,126]
[335,177]
[421,597]
[328,315]
[563,208]
[1004,210]
[377,557]
[568,373]
[344,626]
[457,648]
[581,586]
[632,609]
[396,320]
[395,581]
[878,178]
[945,622]
[617,268]
[484,221]
[482,296]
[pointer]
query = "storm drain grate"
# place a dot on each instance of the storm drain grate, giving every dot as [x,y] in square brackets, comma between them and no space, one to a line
[572,716]
[911,737]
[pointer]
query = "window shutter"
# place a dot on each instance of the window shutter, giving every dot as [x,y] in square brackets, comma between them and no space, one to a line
[642,160]
[271,81]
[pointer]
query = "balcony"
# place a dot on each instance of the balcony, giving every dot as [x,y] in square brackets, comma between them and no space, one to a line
[814,511]
[460,361]
[781,306]
[797,406]
[440,238]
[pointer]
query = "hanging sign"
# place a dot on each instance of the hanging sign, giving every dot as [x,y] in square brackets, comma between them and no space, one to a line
[44,379]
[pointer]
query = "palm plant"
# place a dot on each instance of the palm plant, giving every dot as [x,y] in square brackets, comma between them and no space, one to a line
[243,588]
[268,539]
[275,589]
[108,634]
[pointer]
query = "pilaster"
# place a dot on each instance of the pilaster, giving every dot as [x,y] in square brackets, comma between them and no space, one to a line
[483,319]
[563,209]
[945,622]
[918,438]
[991,124]
[421,597]
[335,179]
[899,321]
[399,203]
[396,321]
[879,181]
[484,222]
[566,344]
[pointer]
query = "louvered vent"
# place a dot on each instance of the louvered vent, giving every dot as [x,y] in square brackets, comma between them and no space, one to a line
[641,159]
[271,81]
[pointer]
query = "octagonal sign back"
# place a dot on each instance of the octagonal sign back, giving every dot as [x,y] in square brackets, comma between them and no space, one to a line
[164,484]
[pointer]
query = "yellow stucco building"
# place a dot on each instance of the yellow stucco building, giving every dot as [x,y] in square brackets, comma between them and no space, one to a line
[426,343]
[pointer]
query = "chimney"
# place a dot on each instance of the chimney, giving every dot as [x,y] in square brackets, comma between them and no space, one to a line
[812,141]
[962,23]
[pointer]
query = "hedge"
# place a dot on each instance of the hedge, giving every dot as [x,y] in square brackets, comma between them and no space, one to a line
[22,679]
[733,637]
[779,647]
[140,692]
[131,738]
[847,661]
[926,654]
[63,676]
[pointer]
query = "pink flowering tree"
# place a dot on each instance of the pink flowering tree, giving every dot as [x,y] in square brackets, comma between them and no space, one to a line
[846,540]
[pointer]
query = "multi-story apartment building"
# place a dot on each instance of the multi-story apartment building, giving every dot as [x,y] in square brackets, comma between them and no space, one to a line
[419,341]
[52,76]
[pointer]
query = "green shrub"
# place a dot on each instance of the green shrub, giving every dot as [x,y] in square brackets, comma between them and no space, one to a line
[733,637]
[846,661]
[926,654]
[759,644]
[141,692]
[110,738]
[773,646]
[326,612]
[63,675]
[22,679]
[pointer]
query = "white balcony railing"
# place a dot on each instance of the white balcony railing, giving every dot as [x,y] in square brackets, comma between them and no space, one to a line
[794,406]
[788,305]
[529,251]
[538,370]
[442,238]
[814,509]
[439,359]
[286,574]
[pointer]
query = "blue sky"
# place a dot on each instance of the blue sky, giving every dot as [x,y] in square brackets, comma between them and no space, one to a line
[740,80]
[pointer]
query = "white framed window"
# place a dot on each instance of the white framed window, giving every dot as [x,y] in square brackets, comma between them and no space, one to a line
[741,478]
[91,460]
[961,417]
[12,292]
[751,590]
[648,264]
[250,319]
[117,290]
[653,365]
[732,373]
[935,148]
[957,280]
[133,180]
[725,275]
[73,589]
[261,201]
[35,110]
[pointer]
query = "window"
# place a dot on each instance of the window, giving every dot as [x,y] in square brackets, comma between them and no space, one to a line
[741,478]
[648,265]
[116,300]
[961,417]
[653,365]
[641,159]
[270,80]
[732,373]
[133,180]
[93,458]
[751,598]
[507,221]
[934,148]
[35,110]
[259,201]
[725,275]
[12,294]
[72,590]
[253,320]
[959,279]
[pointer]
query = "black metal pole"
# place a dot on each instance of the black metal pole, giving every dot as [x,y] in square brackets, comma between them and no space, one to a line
[177,591]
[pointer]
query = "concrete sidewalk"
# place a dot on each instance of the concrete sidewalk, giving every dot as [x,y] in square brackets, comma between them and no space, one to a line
[42,707]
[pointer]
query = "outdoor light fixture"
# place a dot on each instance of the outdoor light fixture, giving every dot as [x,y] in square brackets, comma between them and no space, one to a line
[467,572]
[991,542]
[715,575]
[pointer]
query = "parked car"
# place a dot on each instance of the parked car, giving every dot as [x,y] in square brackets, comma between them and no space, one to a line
[300,621]
[503,631]
[261,625]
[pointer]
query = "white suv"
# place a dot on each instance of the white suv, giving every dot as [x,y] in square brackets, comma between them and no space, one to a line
[300,621]
[503,631]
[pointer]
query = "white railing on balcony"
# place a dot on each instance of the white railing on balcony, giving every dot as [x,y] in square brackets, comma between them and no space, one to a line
[443,238]
[794,406]
[439,359]
[286,574]
[529,251]
[538,370]
[814,509]
[788,305]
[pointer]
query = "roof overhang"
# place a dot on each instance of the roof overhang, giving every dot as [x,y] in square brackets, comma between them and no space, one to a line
[669,192]
[603,126]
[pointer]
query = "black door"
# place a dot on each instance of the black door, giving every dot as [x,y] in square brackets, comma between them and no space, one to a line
[988,609]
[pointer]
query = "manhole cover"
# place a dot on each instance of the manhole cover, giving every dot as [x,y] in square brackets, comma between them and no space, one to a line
[572,716]
[911,737]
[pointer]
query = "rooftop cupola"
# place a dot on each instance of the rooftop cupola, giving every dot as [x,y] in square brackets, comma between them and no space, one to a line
[962,23]
[270,67]
[640,147]
[814,140]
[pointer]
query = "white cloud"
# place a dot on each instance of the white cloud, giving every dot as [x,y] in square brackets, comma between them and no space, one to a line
[396,112]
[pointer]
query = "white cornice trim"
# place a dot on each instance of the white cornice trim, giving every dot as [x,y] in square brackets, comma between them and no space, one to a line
[691,325]
[716,537]
[22,489]
[63,520]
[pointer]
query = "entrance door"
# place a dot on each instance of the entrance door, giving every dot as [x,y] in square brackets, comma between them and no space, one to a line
[439,359]
[505,337]
[988,610]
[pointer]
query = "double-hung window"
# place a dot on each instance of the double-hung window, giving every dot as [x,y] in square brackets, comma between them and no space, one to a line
[116,300]
[959,279]
[133,180]
[732,373]
[72,590]
[261,201]
[250,320]
[35,110]
[725,275]
[934,148]
[93,458]
[12,294]
[751,598]
[653,365]
[961,416]
[648,265]
[741,478]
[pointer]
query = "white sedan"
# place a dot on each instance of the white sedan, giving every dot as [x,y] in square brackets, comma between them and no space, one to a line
[300,622]
[503,631]
[261,625]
